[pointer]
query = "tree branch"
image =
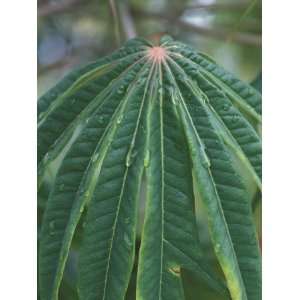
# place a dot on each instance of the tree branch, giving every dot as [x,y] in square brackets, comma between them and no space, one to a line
[115,15]
[126,20]
[218,33]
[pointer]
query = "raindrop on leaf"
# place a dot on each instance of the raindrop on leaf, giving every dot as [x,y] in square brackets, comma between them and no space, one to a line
[52,227]
[226,107]
[95,157]
[147,159]
[127,240]
[120,119]
[140,81]
[175,270]
[101,120]
[130,157]
[121,89]
[235,118]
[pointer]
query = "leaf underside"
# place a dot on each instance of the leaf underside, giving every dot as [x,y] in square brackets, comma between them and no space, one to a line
[177,119]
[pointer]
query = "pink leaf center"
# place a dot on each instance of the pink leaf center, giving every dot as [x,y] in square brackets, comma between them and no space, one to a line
[158,54]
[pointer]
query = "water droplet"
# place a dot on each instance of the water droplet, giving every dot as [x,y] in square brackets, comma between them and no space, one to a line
[95,157]
[235,118]
[174,97]
[87,121]
[128,161]
[175,270]
[147,159]
[121,89]
[101,120]
[183,78]
[160,91]
[205,100]
[226,107]
[127,239]
[205,162]
[140,81]
[120,119]
[52,224]
[73,101]
[170,89]
[52,227]
[218,247]
[81,209]
[130,157]
[195,72]
[61,187]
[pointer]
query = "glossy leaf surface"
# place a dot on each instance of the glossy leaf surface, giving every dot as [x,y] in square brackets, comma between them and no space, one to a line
[168,112]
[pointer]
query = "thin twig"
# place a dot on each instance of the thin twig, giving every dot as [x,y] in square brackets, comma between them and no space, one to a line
[114,13]
[218,33]
[126,20]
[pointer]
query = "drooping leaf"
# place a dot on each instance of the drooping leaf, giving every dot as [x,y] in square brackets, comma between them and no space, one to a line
[172,113]
[76,182]
[169,239]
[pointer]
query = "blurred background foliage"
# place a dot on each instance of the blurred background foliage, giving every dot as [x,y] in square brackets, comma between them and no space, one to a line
[74,32]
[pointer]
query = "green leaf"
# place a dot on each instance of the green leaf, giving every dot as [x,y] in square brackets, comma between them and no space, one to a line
[225,197]
[235,131]
[167,245]
[109,238]
[65,108]
[241,94]
[75,184]
[171,113]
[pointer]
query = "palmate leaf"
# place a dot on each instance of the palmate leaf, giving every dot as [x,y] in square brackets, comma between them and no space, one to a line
[173,114]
